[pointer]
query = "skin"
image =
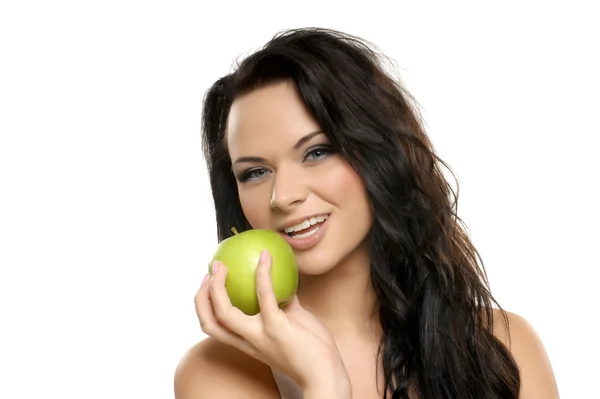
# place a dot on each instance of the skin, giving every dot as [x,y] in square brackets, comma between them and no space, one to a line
[292,174]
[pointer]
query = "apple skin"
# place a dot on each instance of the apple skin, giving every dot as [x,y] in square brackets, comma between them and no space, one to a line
[240,254]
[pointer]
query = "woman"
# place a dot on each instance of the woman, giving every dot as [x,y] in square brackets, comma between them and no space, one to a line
[311,138]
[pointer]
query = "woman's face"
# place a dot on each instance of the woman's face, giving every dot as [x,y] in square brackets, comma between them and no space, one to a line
[290,181]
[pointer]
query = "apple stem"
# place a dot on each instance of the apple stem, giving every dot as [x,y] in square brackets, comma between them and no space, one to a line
[234,230]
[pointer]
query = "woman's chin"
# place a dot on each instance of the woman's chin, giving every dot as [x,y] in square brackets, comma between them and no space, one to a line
[314,267]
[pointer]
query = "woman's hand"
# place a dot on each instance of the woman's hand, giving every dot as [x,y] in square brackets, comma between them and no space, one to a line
[291,340]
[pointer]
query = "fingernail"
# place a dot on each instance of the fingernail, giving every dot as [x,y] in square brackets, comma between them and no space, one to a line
[205,279]
[264,255]
[215,267]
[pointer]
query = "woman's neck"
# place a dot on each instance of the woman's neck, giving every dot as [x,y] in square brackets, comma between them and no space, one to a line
[343,298]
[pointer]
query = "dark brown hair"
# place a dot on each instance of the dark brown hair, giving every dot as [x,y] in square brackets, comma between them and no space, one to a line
[434,303]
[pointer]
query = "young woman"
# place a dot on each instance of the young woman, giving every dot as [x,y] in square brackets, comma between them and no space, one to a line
[310,134]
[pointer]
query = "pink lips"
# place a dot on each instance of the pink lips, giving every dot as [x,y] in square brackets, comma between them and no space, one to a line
[301,244]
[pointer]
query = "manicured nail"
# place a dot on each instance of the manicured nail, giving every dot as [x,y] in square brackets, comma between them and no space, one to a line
[215,267]
[264,255]
[205,279]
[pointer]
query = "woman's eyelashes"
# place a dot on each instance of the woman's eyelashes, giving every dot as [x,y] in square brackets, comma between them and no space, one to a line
[314,154]
[317,153]
[252,174]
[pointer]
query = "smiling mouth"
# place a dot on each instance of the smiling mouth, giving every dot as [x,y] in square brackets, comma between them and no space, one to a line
[307,232]
[306,228]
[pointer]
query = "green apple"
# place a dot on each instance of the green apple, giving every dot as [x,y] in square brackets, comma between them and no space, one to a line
[240,254]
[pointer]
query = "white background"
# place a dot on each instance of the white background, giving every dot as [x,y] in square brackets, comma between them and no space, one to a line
[106,219]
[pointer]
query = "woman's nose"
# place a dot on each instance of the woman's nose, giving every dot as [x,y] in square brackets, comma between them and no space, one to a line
[288,190]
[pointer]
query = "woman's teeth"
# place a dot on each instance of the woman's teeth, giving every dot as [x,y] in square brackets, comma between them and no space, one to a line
[307,223]
[304,235]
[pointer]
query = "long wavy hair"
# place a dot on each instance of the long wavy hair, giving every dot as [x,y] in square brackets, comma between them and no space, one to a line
[433,297]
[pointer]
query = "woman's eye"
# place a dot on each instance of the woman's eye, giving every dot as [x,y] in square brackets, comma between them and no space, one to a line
[316,154]
[254,174]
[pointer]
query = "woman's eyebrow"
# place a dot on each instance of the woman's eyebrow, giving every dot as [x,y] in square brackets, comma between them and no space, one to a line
[306,139]
[299,143]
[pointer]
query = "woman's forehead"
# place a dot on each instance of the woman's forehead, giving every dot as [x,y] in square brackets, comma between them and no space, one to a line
[269,116]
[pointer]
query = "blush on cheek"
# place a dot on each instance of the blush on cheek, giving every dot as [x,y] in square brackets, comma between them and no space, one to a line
[342,181]
[257,213]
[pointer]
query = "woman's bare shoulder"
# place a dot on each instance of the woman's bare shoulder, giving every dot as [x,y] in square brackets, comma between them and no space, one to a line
[211,369]
[519,336]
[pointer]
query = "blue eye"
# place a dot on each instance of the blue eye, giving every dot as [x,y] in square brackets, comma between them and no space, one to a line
[317,154]
[253,174]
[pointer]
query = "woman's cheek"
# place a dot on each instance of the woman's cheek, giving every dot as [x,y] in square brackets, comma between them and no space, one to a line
[256,208]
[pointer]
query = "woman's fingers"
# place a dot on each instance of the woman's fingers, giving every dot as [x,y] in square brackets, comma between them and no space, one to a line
[202,304]
[211,326]
[267,301]
[208,322]
[230,316]
[228,324]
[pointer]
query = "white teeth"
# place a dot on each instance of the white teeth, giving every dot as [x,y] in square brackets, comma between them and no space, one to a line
[306,224]
[310,233]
